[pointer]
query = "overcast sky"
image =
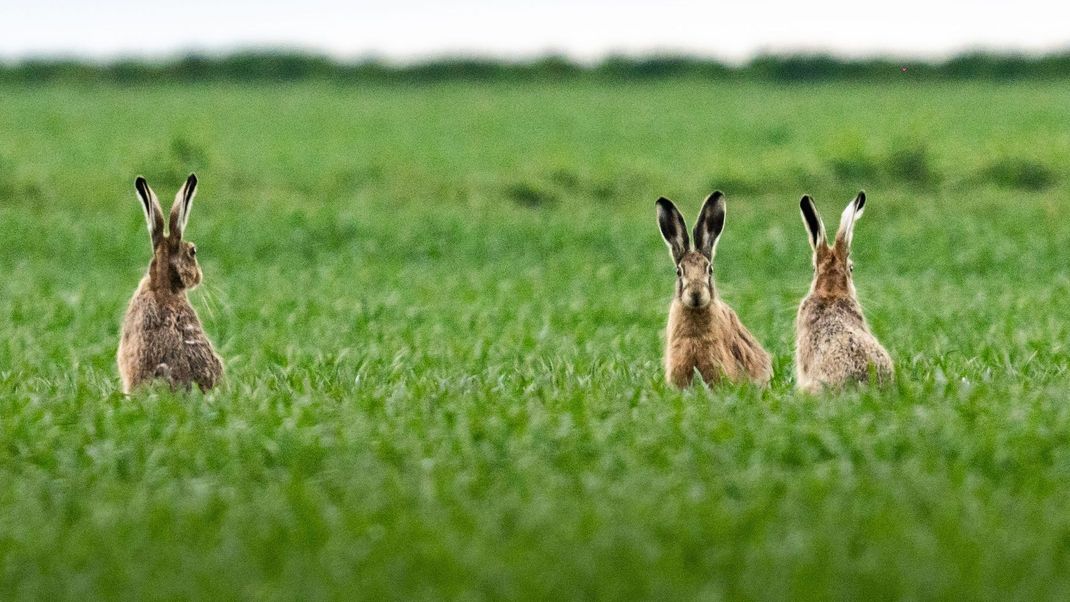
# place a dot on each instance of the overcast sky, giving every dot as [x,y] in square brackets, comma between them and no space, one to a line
[407,30]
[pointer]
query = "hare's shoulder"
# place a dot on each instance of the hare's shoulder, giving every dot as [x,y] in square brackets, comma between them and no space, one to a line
[830,312]
[734,326]
[149,312]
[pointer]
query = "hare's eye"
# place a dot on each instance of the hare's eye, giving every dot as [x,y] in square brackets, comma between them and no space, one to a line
[678,272]
[193,251]
[710,269]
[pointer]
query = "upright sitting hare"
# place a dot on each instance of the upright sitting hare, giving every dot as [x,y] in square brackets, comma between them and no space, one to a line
[704,333]
[834,346]
[161,335]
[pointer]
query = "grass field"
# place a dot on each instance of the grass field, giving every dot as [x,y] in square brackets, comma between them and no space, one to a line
[441,313]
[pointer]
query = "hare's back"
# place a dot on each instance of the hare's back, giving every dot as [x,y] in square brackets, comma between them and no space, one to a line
[191,355]
[851,356]
[167,339]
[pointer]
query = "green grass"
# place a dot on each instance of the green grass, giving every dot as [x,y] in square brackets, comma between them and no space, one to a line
[441,312]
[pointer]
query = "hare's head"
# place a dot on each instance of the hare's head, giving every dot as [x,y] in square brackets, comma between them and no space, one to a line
[174,261]
[832,263]
[694,265]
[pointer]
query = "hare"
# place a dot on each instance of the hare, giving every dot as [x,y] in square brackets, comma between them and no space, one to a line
[834,346]
[704,333]
[161,334]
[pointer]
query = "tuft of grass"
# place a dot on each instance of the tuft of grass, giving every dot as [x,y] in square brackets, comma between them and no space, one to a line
[528,194]
[186,152]
[855,169]
[908,165]
[1019,174]
[912,165]
[566,179]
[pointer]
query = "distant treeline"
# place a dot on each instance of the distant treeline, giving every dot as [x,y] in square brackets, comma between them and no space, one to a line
[284,66]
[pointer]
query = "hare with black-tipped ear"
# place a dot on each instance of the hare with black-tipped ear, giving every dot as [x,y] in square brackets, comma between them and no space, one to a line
[704,333]
[834,346]
[161,336]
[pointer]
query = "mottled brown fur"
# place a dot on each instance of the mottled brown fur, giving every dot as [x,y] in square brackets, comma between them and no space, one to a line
[834,346]
[161,336]
[714,342]
[704,334]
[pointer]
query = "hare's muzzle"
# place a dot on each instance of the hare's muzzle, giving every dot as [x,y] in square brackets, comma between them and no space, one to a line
[695,296]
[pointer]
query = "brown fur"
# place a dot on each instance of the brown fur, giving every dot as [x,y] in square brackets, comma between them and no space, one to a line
[713,341]
[161,336]
[704,333]
[834,346]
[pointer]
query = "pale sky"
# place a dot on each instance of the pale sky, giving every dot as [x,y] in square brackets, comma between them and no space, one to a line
[406,30]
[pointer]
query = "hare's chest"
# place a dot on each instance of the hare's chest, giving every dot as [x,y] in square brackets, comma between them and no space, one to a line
[697,352]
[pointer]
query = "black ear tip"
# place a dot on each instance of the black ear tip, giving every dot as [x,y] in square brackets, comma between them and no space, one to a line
[139,182]
[806,201]
[861,198]
[716,196]
[664,203]
[192,179]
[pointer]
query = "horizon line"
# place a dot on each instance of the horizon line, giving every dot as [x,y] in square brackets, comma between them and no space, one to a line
[522,58]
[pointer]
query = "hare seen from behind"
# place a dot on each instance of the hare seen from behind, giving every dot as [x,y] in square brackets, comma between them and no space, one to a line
[834,346]
[161,336]
[704,333]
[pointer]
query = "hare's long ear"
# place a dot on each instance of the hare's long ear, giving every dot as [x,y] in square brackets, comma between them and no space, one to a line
[851,213]
[153,212]
[710,224]
[812,221]
[673,228]
[183,203]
